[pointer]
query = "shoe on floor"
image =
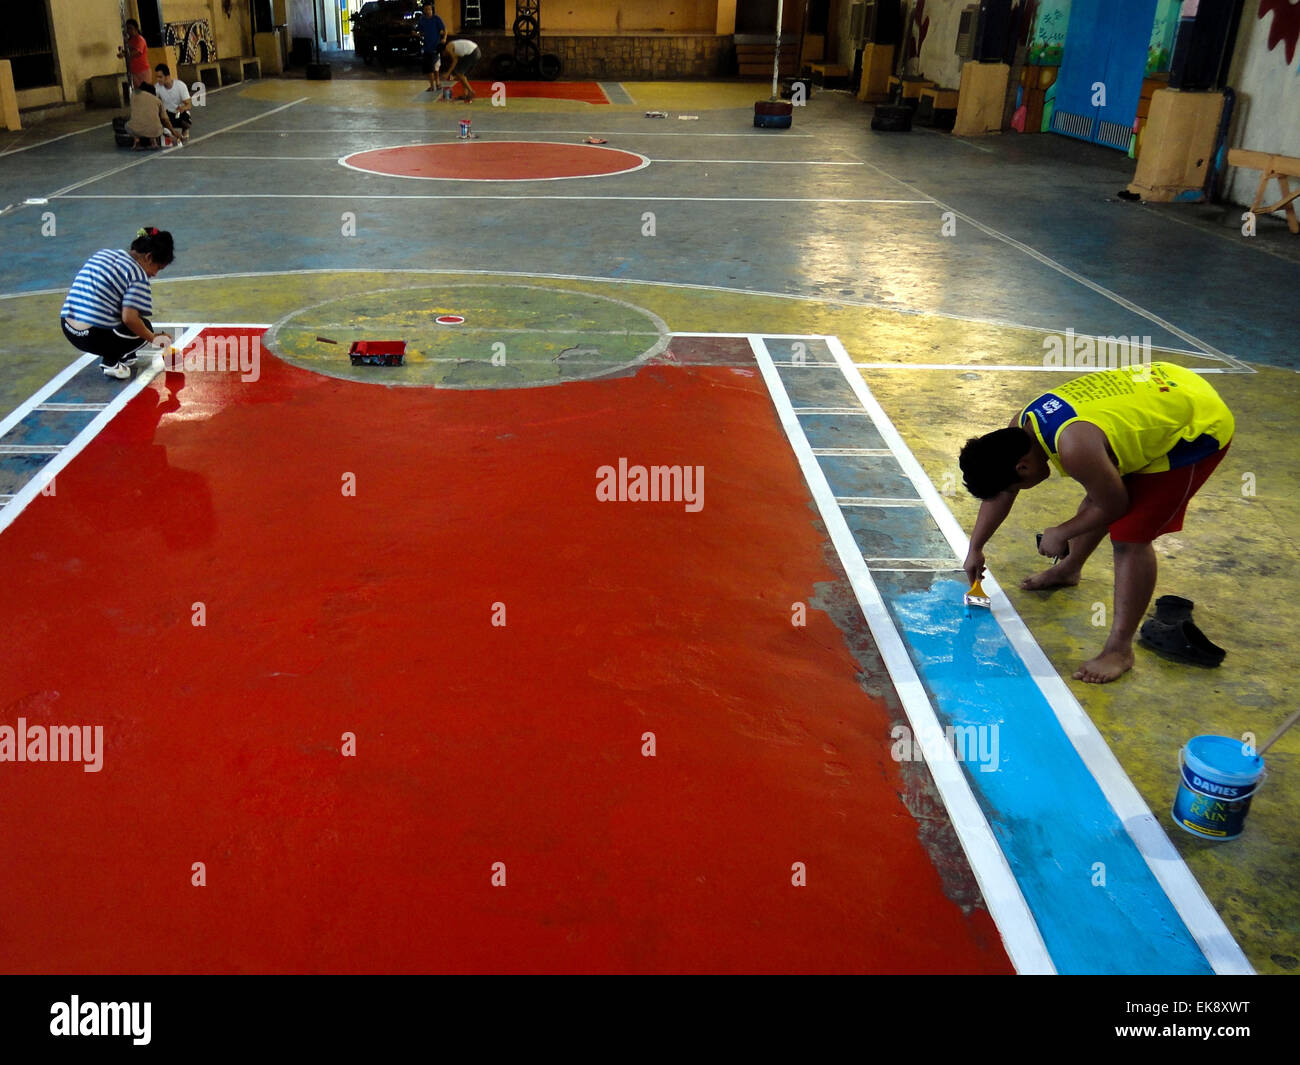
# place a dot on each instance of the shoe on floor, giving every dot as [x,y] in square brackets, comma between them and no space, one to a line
[1171,609]
[118,370]
[1181,641]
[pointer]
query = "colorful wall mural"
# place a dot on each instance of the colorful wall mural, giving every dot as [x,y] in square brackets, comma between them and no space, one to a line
[1048,42]
[192,40]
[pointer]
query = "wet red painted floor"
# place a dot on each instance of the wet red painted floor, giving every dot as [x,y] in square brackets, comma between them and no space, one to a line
[328,613]
[475,160]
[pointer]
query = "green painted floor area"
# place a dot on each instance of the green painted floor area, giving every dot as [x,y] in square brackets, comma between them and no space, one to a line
[513,335]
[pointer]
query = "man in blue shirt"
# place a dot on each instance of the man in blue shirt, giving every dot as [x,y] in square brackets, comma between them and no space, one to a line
[434,32]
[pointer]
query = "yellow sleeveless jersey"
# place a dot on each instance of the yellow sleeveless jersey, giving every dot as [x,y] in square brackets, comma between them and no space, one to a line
[1155,419]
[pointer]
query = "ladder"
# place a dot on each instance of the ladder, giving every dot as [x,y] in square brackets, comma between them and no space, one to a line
[473,14]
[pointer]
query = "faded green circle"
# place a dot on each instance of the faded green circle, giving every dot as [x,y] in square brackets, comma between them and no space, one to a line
[513,336]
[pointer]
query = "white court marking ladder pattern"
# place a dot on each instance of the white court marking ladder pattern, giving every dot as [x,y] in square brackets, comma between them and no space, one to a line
[1060,805]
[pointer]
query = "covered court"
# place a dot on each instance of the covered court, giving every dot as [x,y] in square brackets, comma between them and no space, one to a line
[619,629]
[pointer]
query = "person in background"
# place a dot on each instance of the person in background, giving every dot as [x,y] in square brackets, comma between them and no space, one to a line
[175,99]
[107,309]
[462,57]
[434,32]
[135,50]
[148,118]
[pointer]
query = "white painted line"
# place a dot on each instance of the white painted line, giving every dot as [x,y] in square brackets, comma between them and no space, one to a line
[69,406]
[45,391]
[764,162]
[63,136]
[534,132]
[848,412]
[877,501]
[1077,371]
[195,156]
[942,563]
[1002,895]
[851,451]
[50,470]
[30,449]
[1167,866]
[502,181]
[810,297]
[148,156]
[1064,270]
[145,194]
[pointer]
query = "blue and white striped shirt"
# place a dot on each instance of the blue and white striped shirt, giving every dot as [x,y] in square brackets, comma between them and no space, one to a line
[110,281]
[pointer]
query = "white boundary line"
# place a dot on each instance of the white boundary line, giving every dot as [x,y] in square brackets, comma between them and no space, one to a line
[343,161]
[10,511]
[516,132]
[1164,861]
[1020,935]
[834,303]
[144,195]
[148,157]
[60,137]
[1061,268]
[46,390]
[1076,370]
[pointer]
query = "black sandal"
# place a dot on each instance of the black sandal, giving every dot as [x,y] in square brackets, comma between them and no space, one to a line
[1180,641]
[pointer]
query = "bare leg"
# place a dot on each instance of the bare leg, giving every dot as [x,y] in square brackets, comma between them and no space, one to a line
[1135,581]
[1065,574]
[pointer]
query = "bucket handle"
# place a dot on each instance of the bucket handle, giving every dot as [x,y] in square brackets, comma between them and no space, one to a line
[1250,794]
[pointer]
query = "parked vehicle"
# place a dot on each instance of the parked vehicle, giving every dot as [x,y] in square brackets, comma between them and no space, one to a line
[387,31]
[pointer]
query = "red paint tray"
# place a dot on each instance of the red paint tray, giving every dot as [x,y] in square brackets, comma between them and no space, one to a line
[377,352]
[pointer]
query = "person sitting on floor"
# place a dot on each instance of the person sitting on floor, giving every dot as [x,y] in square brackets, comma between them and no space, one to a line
[175,98]
[149,118]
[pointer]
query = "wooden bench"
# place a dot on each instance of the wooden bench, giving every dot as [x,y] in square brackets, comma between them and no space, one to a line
[208,73]
[1272,168]
[937,107]
[238,69]
[755,55]
[828,72]
[109,90]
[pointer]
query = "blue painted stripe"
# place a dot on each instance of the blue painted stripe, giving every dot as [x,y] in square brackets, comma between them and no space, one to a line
[1098,906]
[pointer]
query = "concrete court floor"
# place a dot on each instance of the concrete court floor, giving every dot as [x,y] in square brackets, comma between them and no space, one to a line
[1041,245]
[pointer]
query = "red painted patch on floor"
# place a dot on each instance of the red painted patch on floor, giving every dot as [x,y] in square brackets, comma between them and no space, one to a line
[481,160]
[329,613]
[588,92]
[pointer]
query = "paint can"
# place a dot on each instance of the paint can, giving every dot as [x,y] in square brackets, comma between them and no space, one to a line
[446,94]
[464,129]
[1218,778]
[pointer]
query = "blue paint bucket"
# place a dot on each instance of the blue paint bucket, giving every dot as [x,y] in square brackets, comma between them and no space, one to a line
[1218,780]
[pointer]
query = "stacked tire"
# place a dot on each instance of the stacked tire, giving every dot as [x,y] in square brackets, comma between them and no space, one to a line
[773,114]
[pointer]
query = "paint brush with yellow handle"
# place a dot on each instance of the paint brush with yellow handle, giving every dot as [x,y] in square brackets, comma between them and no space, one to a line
[977,597]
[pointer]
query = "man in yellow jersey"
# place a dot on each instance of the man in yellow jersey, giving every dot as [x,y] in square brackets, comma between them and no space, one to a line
[1141,441]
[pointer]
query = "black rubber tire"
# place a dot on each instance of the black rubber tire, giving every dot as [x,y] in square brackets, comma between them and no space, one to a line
[773,107]
[527,55]
[550,67]
[527,28]
[503,67]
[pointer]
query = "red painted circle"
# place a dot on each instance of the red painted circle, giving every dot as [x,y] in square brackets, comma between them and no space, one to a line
[495,161]
[449,319]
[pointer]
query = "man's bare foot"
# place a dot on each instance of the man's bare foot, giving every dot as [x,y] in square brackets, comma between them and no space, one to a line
[1059,576]
[1107,666]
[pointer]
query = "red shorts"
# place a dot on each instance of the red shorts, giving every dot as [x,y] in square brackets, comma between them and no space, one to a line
[1158,501]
